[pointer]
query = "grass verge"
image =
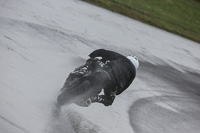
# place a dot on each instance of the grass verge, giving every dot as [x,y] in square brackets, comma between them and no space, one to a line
[181,17]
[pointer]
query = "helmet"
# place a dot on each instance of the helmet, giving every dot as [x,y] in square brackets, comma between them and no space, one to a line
[134,61]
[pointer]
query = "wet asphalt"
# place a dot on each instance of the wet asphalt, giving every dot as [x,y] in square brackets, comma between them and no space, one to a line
[175,110]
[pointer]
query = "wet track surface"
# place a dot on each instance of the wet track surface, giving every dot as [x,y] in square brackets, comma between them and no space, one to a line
[42,42]
[175,109]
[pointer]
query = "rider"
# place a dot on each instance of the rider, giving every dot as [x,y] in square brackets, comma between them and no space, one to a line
[120,71]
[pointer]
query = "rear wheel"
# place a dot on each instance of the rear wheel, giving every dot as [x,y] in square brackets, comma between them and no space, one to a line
[74,94]
[63,98]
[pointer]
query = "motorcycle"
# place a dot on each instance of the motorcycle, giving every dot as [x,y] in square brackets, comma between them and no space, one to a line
[79,88]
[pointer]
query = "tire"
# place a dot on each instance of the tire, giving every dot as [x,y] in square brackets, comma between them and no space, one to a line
[74,94]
